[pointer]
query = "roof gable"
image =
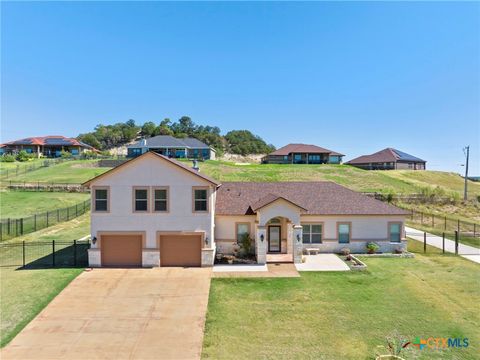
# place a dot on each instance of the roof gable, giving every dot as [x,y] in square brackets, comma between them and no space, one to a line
[385,155]
[270,199]
[155,156]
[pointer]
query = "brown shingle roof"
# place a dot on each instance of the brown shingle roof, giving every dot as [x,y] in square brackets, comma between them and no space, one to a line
[385,155]
[303,148]
[318,198]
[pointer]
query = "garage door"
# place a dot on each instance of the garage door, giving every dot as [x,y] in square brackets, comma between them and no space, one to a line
[180,250]
[121,250]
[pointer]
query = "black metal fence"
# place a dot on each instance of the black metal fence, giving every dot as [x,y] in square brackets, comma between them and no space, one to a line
[445,242]
[10,228]
[44,254]
[24,168]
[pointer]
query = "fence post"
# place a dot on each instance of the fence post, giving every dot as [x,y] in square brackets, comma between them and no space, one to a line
[445,227]
[443,243]
[424,242]
[58,215]
[421,216]
[68,213]
[458,225]
[35,222]
[47,218]
[23,252]
[474,229]
[8,226]
[76,210]
[75,253]
[413,211]
[21,226]
[16,227]
[84,207]
[456,242]
[53,253]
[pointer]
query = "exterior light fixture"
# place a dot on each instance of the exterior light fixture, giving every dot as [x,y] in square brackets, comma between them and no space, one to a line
[206,240]
[94,240]
[298,237]
[262,237]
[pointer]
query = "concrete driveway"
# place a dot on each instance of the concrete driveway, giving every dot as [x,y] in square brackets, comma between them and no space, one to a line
[120,314]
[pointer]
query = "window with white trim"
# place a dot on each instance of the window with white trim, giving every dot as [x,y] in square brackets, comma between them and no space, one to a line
[200,198]
[141,200]
[160,200]
[395,232]
[101,200]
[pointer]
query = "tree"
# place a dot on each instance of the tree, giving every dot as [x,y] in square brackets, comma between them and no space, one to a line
[148,129]
[164,127]
[90,139]
[244,142]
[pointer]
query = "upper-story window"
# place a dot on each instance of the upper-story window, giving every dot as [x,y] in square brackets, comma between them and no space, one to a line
[160,199]
[140,201]
[200,199]
[395,232]
[100,199]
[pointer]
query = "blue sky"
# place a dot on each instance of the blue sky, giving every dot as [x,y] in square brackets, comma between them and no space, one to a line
[353,77]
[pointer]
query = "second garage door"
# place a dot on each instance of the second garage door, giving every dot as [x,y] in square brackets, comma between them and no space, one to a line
[180,250]
[121,250]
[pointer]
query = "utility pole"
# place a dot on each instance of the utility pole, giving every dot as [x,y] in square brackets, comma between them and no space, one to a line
[466,151]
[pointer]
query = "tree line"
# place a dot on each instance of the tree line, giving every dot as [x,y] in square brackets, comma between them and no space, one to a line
[241,142]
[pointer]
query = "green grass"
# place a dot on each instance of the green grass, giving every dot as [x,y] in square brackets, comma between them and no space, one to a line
[24,293]
[15,204]
[346,315]
[397,181]
[73,172]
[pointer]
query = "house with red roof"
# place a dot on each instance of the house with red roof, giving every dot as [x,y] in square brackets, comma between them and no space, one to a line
[303,154]
[47,146]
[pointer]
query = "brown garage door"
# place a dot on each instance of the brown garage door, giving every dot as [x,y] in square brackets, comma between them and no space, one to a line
[180,250]
[121,250]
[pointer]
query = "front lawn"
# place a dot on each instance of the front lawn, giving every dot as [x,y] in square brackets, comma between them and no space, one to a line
[346,315]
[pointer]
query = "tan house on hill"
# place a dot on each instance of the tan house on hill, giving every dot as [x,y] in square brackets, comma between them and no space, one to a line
[155,211]
[303,154]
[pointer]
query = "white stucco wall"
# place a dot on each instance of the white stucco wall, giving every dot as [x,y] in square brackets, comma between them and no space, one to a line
[279,208]
[152,171]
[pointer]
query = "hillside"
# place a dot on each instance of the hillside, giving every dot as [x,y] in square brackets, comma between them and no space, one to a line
[395,181]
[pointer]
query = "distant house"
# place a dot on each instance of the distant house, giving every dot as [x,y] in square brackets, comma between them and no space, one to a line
[47,146]
[388,159]
[188,148]
[303,154]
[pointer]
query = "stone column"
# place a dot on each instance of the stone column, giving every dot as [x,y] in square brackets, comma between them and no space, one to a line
[297,244]
[261,246]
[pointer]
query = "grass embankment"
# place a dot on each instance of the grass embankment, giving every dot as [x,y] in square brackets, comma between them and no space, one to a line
[16,204]
[25,293]
[346,315]
[70,172]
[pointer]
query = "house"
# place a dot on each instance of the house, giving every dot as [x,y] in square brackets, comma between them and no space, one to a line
[47,146]
[155,211]
[189,148]
[302,154]
[388,159]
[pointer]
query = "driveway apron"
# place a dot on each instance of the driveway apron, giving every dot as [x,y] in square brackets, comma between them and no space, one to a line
[120,314]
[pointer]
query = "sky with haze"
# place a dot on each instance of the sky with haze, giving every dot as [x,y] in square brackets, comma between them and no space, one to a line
[349,76]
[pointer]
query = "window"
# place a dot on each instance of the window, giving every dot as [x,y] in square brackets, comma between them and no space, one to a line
[312,233]
[140,199]
[200,200]
[394,232]
[160,199]
[101,199]
[343,233]
[134,152]
[242,229]
[206,153]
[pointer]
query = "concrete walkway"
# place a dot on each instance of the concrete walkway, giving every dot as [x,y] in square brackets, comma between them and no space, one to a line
[322,262]
[239,268]
[468,252]
[120,314]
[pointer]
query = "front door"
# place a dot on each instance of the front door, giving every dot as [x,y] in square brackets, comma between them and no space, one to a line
[274,243]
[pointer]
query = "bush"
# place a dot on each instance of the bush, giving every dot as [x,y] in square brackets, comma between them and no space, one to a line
[345,251]
[88,154]
[7,158]
[66,154]
[24,156]
[246,245]
[372,247]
